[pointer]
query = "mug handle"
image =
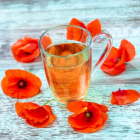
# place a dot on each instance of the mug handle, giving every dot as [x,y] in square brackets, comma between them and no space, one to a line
[99,39]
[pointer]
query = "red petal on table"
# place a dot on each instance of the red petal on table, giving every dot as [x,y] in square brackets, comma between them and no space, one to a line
[28,48]
[123,97]
[19,108]
[77,22]
[74,33]
[78,119]
[45,42]
[94,27]
[22,106]
[84,36]
[75,106]
[51,117]
[38,115]
[103,108]
[25,50]
[77,33]
[28,39]
[35,115]
[70,33]
[128,48]
[113,70]
[115,62]
[111,59]
[18,44]
[121,60]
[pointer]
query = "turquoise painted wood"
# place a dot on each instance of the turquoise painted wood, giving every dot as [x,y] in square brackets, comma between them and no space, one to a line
[120,18]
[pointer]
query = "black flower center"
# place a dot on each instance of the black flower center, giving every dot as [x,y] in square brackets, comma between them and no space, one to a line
[22,84]
[118,59]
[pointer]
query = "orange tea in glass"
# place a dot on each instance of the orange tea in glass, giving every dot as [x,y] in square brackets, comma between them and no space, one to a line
[67,53]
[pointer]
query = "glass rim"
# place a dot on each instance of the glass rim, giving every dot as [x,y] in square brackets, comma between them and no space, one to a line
[89,42]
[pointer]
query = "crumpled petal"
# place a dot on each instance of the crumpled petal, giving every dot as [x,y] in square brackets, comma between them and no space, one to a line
[74,33]
[25,50]
[115,62]
[75,106]
[45,42]
[128,48]
[113,70]
[77,22]
[94,27]
[123,97]
[35,115]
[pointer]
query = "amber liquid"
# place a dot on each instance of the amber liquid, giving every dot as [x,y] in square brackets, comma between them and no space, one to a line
[68,77]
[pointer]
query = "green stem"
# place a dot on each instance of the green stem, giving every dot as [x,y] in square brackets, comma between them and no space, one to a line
[30,68]
[48,102]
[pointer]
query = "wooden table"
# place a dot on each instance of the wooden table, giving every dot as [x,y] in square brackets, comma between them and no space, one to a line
[121,19]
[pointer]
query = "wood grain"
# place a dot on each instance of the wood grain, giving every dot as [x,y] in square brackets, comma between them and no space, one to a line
[120,18]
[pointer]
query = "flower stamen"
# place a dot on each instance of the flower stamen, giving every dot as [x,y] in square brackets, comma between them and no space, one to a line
[88,115]
[118,60]
[22,84]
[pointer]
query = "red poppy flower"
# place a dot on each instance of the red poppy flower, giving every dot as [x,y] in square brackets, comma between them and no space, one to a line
[115,62]
[74,33]
[20,84]
[123,97]
[45,42]
[25,50]
[35,115]
[89,117]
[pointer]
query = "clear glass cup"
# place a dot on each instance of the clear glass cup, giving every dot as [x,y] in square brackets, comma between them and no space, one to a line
[71,56]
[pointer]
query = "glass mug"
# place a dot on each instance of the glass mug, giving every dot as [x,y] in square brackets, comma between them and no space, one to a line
[68,53]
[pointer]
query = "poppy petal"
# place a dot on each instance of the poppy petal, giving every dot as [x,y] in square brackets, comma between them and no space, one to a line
[75,106]
[19,108]
[128,48]
[40,124]
[80,116]
[113,70]
[74,33]
[121,60]
[17,45]
[111,59]
[94,27]
[35,115]
[28,39]
[25,57]
[8,87]
[28,48]
[103,108]
[45,42]
[84,36]
[38,114]
[25,50]
[77,22]
[123,97]
[51,117]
